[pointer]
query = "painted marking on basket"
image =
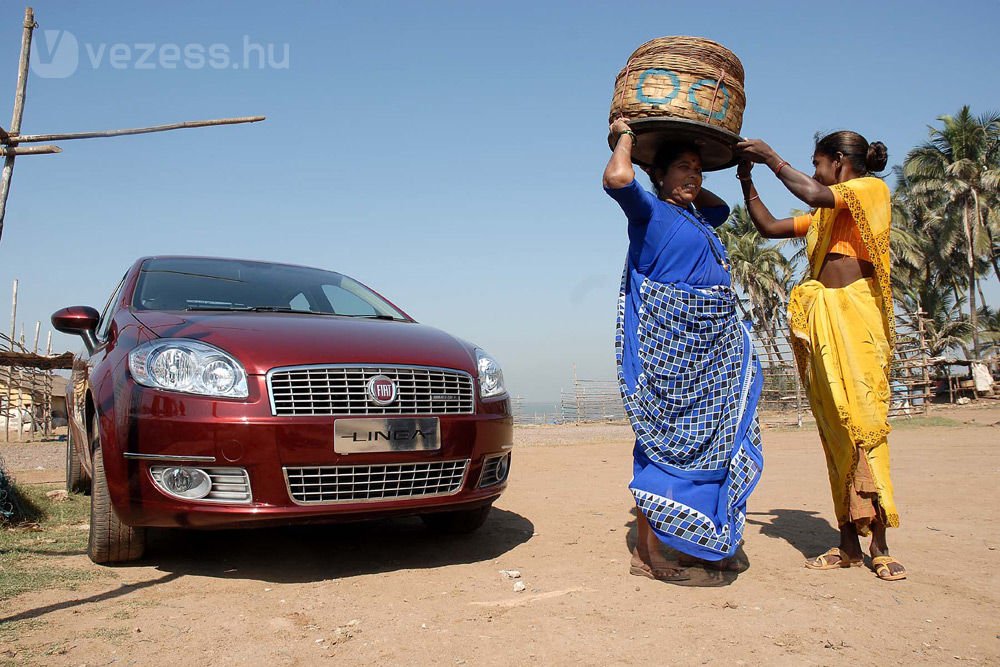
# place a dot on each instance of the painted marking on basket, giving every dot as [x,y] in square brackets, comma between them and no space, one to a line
[692,91]
[721,113]
[675,82]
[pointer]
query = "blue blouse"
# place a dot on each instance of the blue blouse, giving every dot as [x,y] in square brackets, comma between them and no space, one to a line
[671,244]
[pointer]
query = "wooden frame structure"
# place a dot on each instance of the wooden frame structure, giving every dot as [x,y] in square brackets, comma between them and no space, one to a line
[11,139]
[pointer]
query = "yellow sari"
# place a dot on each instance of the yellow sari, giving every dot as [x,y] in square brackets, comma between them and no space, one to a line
[843,340]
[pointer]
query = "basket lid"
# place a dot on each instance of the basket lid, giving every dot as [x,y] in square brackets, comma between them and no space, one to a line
[718,145]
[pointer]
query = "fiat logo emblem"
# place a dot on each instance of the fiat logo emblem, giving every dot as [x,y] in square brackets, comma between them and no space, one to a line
[382,390]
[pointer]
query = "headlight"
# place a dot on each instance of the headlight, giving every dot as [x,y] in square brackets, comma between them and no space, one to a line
[179,364]
[490,376]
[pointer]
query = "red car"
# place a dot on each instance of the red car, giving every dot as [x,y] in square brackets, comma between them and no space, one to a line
[218,393]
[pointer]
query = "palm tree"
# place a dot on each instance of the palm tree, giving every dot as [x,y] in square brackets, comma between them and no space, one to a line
[934,303]
[957,174]
[760,271]
[989,326]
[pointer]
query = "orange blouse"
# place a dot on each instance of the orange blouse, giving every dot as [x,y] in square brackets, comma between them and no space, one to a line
[844,237]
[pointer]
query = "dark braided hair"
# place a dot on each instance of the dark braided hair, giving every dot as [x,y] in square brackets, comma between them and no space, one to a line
[865,158]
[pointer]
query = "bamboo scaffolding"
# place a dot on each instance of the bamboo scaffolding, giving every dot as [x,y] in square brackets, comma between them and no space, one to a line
[12,138]
[19,95]
[188,124]
[28,150]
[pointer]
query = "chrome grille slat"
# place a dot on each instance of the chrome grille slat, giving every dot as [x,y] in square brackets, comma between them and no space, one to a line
[375,482]
[342,390]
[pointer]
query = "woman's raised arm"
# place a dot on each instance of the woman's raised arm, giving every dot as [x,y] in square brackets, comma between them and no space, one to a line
[619,171]
[806,188]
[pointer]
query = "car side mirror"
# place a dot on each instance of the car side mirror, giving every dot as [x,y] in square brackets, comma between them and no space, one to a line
[79,320]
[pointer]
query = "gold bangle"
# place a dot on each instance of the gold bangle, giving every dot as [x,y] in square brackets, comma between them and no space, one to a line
[635,140]
[747,201]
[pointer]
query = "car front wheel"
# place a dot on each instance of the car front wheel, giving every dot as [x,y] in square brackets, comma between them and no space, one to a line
[457,522]
[111,541]
[77,479]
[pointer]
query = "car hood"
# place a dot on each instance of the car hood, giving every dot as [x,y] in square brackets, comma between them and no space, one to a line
[262,341]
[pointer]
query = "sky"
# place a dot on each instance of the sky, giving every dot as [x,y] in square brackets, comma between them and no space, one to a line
[447,154]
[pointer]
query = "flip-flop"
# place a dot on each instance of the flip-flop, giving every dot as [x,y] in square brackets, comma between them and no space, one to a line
[880,565]
[825,561]
[651,574]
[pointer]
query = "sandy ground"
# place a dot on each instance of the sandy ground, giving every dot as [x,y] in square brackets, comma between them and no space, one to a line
[391,593]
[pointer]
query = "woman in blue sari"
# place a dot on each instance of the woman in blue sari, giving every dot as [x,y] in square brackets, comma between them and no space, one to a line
[689,378]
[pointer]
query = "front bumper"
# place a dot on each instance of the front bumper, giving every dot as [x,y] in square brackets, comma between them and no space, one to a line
[155,428]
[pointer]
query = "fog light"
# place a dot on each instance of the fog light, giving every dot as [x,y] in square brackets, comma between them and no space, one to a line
[503,465]
[187,482]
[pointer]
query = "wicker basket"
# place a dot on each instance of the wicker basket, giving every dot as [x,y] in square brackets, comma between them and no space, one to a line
[682,88]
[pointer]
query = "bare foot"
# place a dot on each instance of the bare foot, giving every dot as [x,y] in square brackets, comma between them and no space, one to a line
[660,569]
[735,563]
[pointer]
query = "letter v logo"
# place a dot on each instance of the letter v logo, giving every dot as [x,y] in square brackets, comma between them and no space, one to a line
[56,55]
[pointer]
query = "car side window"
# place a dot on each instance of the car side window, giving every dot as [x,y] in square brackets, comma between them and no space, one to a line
[347,303]
[104,324]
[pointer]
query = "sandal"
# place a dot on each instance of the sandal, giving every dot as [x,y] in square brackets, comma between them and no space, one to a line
[880,565]
[658,575]
[826,560]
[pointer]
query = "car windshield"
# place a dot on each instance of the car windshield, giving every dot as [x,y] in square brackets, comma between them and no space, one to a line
[224,284]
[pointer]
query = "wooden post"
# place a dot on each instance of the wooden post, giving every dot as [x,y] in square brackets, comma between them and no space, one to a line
[47,418]
[928,394]
[10,369]
[32,386]
[15,123]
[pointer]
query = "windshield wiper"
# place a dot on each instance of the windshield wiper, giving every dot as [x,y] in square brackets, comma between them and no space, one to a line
[257,309]
[379,317]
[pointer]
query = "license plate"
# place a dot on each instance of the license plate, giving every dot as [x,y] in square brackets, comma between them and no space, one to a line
[362,436]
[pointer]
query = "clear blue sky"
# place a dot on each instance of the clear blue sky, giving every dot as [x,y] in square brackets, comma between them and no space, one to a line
[448,154]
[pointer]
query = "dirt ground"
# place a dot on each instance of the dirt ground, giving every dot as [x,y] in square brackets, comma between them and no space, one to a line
[391,593]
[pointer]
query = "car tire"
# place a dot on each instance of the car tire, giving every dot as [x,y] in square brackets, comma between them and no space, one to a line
[111,541]
[458,522]
[77,479]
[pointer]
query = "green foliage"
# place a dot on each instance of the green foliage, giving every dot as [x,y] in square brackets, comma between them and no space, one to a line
[947,201]
[28,552]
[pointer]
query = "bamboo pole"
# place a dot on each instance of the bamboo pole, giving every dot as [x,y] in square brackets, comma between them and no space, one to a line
[47,419]
[15,123]
[10,370]
[20,390]
[32,375]
[11,151]
[34,138]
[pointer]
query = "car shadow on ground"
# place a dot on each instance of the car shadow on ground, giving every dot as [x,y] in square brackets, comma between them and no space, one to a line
[694,575]
[302,554]
[806,531]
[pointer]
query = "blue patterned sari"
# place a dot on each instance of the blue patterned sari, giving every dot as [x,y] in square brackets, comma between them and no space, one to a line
[690,382]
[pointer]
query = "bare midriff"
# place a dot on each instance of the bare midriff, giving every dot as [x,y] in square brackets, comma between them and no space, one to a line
[842,270]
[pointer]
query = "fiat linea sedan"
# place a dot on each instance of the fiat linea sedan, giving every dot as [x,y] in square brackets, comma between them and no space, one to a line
[218,393]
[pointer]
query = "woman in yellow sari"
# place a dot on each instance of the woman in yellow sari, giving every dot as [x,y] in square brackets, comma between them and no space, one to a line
[842,328]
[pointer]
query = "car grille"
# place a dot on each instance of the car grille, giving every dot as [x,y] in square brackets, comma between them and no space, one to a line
[343,390]
[371,483]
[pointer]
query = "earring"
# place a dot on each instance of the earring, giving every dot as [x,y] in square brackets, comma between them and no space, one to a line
[660,184]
